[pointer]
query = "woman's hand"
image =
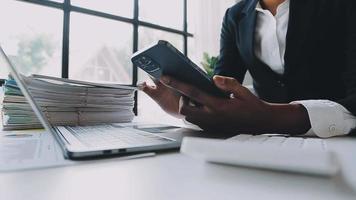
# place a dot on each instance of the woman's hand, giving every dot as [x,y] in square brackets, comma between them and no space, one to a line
[242,112]
[167,98]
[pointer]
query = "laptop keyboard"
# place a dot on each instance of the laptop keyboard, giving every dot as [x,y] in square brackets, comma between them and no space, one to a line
[107,135]
[290,142]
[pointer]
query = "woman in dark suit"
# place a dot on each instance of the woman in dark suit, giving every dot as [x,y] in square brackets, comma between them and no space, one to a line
[301,55]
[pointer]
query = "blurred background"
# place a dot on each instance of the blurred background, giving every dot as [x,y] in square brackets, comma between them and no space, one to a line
[93,40]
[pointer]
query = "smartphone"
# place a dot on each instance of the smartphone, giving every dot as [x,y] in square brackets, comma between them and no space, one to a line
[164,59]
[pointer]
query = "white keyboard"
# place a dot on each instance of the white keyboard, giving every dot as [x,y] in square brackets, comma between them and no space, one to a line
[281,141]
[292,154]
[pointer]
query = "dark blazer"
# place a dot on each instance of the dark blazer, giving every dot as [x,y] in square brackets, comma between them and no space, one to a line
[320,57]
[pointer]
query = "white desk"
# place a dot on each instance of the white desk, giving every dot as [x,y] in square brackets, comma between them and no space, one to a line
[175,176]
[170,176]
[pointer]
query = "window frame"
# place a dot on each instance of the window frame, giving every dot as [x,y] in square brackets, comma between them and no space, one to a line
[135,21]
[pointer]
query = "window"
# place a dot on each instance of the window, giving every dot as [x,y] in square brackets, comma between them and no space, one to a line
[115,7]
[103,52]
[89,40]
[32,37]
[153,11]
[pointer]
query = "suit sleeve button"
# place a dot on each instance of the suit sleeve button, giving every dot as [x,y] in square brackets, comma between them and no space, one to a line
[332,128]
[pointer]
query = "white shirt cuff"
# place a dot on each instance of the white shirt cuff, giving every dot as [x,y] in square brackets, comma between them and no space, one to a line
[328,118]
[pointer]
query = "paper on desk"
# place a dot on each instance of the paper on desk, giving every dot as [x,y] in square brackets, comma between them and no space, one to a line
[109,85]
[32,150]
[66,102]
[36,149]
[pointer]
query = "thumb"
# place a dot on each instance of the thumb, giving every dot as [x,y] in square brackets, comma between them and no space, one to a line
[149,90]
[229,85]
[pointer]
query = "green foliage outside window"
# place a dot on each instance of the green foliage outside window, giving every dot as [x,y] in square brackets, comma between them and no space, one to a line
[209,63]
[33,53]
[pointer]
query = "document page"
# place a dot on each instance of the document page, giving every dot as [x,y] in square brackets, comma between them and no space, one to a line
[28,150]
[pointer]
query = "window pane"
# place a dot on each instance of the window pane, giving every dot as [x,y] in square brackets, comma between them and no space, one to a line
[3,73]
[162,12]
[193,14]
[194,52]
[115,7]
[148,36]
[31,35]
[100,49]
[147,108]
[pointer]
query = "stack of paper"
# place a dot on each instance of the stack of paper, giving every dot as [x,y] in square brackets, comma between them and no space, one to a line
[66,102]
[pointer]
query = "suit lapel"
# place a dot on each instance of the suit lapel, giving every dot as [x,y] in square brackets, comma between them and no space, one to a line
[301,17]
[246,37]
[299,26]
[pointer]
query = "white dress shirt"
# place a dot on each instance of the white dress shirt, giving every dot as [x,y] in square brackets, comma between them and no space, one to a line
[327,118]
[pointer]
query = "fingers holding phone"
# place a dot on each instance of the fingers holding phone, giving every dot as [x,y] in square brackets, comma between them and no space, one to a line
[165,97]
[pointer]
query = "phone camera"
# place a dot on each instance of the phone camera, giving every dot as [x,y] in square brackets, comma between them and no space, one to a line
[144,61]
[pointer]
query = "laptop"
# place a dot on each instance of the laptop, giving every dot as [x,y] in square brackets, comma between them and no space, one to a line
[79,142]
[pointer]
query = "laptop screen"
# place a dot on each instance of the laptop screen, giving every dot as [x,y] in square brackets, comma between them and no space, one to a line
[16,75]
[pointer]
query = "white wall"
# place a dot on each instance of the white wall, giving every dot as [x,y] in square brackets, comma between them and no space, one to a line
[205,17]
